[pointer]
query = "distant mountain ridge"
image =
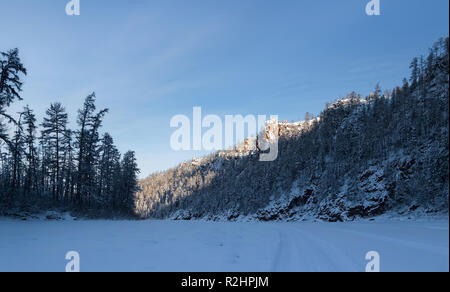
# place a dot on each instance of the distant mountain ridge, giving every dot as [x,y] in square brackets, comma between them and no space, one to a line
[362,157]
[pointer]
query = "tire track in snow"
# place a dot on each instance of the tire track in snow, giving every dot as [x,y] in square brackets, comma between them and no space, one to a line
[299,251]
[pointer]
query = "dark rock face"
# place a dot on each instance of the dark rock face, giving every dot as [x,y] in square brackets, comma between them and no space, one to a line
[53,217]
[301,200]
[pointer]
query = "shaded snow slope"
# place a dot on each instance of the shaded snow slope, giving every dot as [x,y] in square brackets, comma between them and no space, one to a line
[204,246]
[360,158]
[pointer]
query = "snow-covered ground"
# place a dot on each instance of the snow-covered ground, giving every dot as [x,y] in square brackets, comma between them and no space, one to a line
[234,247]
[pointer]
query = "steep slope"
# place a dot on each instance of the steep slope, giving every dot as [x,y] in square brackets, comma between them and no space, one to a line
[360,158]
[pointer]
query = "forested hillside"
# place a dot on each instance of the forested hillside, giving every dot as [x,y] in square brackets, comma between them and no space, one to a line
[45,165]
[362,157]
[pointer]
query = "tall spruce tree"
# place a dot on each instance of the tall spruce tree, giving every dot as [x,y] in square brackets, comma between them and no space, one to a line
[11,71]
[129,180]
[87,141]
[54,132]
[30,128]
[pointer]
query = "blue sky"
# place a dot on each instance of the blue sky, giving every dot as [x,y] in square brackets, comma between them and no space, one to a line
[150,60]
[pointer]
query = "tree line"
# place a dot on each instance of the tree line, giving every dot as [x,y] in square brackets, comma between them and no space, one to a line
[48,164]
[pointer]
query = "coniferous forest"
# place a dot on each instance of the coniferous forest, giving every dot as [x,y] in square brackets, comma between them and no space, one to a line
[361,157]
[46,165]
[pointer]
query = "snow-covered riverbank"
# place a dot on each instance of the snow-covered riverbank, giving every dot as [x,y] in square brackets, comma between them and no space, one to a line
[213,246]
